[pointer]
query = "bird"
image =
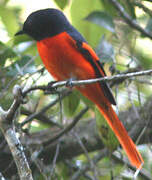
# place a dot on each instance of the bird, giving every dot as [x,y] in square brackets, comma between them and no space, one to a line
[66,54]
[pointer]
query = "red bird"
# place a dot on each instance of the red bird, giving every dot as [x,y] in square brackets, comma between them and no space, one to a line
[66,54]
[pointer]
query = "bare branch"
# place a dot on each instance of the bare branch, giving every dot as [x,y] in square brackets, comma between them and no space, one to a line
[43,88]
[87,167]
[143,172]
[122,76]
[68,128]
[6,118]
[133,23]
[17,92]
[43,110]
[145,9]
[18,155]
[42,118]
[107,78]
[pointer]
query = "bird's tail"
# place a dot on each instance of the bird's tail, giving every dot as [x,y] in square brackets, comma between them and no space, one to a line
[122,135]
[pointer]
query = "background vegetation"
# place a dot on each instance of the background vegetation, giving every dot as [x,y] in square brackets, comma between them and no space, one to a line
[56,146]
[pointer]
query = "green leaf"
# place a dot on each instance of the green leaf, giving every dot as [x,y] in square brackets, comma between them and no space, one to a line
[61,3]
[103,19]
[39,127]
[70,103]
[4,2]
[86,100]
[9,19]
[130,8]
[79,10]
[107,135]
[22,67]
[127,5]
[5,52]
[111,9]
[105,51]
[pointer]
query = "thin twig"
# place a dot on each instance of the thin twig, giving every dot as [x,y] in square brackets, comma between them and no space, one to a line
[68,128]
[81,171]
[143,172]
[92,165]
[144,8]
[55,159]
[42,118]
[43,110]
[15,77]
[133,23]
[43,88]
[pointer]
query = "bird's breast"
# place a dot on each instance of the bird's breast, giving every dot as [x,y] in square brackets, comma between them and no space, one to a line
[62,58]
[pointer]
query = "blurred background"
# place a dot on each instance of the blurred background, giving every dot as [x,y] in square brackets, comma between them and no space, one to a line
[121,47]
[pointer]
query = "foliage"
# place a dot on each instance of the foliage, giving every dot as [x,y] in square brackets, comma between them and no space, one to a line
[121,49]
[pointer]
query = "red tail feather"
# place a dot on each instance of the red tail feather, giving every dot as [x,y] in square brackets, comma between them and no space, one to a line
[122,135]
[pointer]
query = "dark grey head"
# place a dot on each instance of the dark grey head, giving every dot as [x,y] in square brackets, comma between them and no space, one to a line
[45,23]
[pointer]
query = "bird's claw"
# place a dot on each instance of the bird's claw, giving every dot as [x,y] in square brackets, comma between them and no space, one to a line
[69,83]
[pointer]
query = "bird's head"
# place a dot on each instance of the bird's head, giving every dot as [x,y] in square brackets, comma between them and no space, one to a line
[44,23]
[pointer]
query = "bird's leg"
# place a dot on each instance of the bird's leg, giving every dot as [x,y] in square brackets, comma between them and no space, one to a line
[69,83]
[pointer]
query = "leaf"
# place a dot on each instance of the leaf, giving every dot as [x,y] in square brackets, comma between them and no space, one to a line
[130,8]
[9,19]
[105,51]
[22,67]
[107,135]
[127,5]
[38,127]
[4,2]
[5,52]
[79,10]
[61,3]
[70,103]
[89,103]
[103,19]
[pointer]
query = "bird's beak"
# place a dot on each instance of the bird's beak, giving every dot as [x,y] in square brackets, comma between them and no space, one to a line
[20,33]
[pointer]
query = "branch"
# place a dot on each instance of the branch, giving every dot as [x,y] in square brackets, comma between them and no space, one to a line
[143,172]
[148,0]
[86,167]
[42,118]
[17,92]
[43,110]
[6,126]
[144,8]
[68,128]
[57,84]
[106,78]
[133,23]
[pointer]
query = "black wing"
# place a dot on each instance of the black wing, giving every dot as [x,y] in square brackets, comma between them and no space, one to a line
[98,68]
